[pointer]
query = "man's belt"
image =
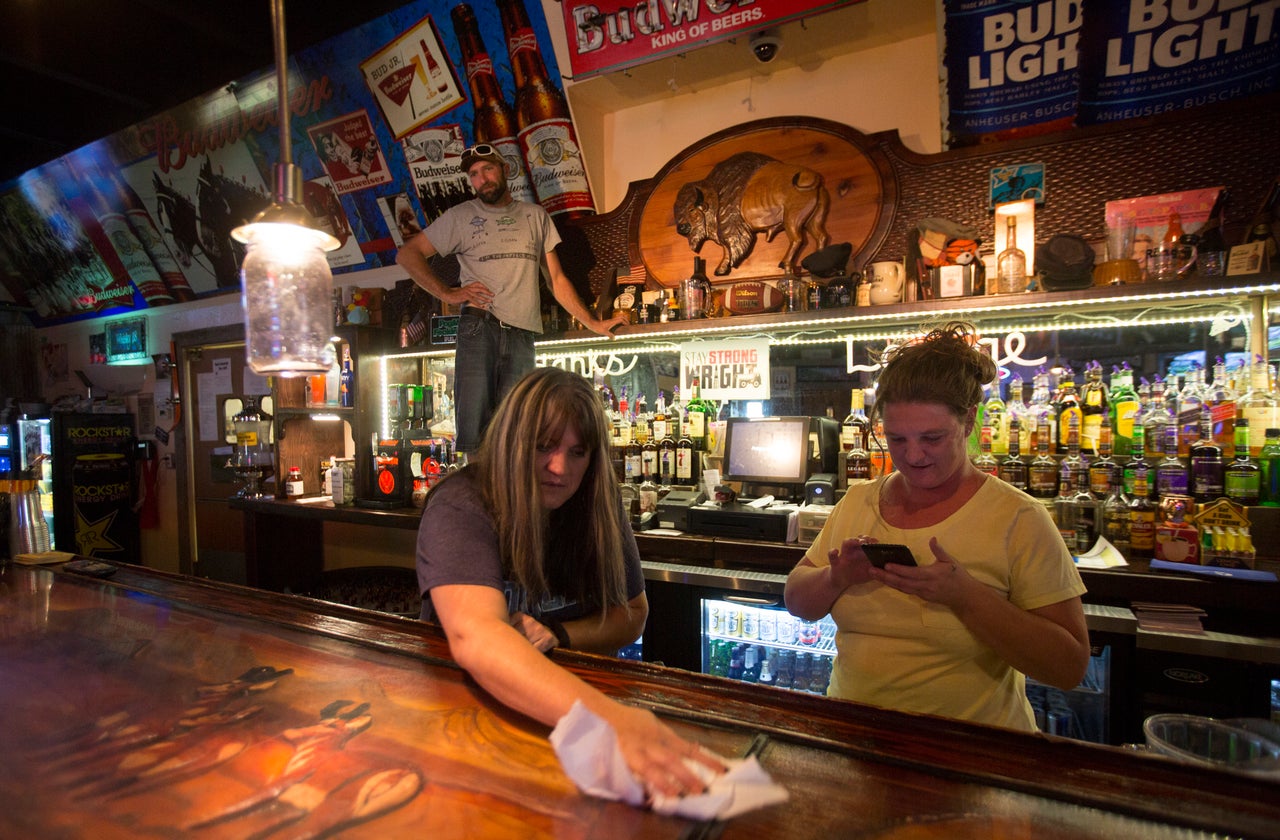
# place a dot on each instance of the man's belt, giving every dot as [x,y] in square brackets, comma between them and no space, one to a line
[487,316]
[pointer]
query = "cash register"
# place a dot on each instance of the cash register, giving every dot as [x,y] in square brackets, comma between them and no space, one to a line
[771,457]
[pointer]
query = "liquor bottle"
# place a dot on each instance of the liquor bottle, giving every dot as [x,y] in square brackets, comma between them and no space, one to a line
[1042,475]
[649,459]
[1011,264]
[1142,520]
[648,493]
[675,414]
[856,428]
[1171,473]
[1073,464]
[688,462]
[494,121]
[1259,407]
[695,292]
[1242,479]
[881,460]
[1124,409]
[630,495]
[135,213]
[985,462]
[658,425]
[1085,517]
[1095,408]
[1013,470]
[130,257]
[634,458]
[1016,408]
[1206,462]
[1040,407]
[1220,397]
[1061,505]
[995,416]
[1137,465]
[346,380]
[1115,518]
[1269,460]
[546,132]
[1103,471]
[1174,231]
[667,460]
[1158,416]
[857,463]
[1187,413]
[698,416]
[1067,407]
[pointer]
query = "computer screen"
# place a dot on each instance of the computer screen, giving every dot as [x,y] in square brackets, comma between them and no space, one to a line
[767,450]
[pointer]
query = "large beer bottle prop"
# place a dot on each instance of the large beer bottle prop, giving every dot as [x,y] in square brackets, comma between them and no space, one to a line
[140,221]
[546,133]
[494,122]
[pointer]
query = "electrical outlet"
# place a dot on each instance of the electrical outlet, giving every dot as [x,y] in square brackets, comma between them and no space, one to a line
[167,460]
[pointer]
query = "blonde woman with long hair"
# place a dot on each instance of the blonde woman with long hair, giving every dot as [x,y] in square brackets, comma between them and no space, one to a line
[526,549]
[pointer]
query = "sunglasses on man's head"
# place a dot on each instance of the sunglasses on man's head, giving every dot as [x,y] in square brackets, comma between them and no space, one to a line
[480,150]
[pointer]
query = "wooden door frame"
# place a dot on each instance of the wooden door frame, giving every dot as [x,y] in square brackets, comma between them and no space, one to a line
[186,347]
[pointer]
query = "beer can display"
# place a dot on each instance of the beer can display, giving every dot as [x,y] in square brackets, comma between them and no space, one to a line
[767,645]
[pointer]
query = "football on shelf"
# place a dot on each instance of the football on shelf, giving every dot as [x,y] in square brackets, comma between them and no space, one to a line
[752,297]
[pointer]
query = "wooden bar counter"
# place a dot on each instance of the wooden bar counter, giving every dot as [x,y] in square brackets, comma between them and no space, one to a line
[153,705]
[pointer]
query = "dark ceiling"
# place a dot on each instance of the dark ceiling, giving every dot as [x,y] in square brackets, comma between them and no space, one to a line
[75,71]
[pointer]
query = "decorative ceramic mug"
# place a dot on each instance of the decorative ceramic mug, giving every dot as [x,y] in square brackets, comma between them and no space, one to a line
[886,282]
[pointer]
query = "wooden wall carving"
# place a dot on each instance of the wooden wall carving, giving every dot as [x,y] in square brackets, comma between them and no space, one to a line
[1233,145]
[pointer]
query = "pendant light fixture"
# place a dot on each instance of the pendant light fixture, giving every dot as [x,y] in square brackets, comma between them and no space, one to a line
[285,280]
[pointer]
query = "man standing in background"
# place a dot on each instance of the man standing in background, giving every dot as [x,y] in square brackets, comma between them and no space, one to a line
[502,246]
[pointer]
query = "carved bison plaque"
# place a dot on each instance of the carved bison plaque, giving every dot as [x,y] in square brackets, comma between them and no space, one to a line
[756,199]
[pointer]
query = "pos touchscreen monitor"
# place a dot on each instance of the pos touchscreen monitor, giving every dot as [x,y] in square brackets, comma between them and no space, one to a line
[767,450]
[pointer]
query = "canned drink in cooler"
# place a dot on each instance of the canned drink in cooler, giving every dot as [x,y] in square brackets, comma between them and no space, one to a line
[750,624]
[768,626]
[786,628]
[732,621]
[715,621]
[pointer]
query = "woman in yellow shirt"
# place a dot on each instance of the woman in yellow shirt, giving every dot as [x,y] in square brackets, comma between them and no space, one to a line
[995,595]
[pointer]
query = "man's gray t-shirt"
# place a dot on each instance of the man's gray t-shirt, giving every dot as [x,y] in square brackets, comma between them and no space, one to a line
[457,544]
[502,247]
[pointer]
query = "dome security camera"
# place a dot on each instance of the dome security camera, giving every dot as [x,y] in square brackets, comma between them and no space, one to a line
[765,45]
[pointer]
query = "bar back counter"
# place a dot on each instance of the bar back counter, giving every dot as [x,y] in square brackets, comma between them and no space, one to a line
[154,705]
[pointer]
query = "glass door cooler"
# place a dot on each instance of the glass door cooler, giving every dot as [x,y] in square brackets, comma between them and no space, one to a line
[754,639]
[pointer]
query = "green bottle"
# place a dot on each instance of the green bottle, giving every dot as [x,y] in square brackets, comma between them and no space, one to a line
[1270,462]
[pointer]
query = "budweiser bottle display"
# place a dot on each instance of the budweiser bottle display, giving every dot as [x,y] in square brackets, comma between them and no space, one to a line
[546,131]
[494,122]
[140,221]
[132,256]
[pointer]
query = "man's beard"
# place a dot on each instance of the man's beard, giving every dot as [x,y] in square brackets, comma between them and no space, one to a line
[492,194]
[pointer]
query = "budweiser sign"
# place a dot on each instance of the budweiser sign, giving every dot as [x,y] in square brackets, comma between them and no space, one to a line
[608,35]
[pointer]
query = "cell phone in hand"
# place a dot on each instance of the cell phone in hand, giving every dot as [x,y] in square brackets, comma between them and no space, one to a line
[881,554]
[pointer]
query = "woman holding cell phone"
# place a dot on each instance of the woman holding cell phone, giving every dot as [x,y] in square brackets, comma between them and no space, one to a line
[983,595]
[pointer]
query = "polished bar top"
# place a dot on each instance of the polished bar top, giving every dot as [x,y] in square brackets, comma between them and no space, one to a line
[154,705]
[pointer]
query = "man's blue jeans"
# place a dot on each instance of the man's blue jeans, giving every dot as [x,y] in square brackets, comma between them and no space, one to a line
[490,358]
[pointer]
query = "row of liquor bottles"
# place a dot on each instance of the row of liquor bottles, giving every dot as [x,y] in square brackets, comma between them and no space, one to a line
[663,444]
[1244,392]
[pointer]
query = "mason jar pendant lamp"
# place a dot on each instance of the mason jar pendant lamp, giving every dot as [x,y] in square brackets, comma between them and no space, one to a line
[286,283]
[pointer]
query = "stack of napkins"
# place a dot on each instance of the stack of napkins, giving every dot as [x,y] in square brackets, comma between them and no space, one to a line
[43,558]
[1168,618]
[588,751]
